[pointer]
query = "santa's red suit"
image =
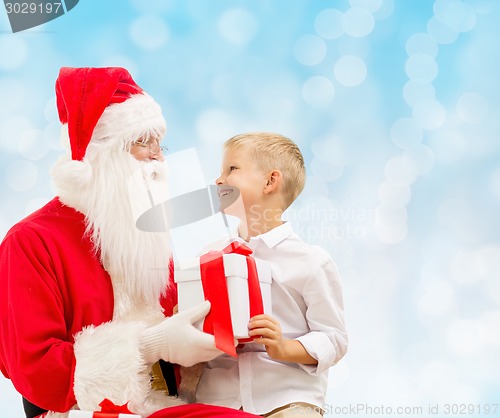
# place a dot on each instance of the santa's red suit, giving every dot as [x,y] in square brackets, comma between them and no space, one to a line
[62,288]
[72,331]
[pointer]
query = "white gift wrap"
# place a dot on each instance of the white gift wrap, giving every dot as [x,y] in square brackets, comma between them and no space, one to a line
[190,289]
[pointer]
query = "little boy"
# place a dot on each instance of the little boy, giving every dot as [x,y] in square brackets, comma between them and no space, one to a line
[284,371]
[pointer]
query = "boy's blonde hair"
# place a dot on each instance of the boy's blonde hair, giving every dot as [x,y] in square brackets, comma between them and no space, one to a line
[271,151]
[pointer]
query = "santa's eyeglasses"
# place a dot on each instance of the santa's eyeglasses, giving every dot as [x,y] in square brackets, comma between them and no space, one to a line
[153,147]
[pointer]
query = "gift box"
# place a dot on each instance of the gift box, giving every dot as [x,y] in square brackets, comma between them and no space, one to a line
[90,414]
[191,291]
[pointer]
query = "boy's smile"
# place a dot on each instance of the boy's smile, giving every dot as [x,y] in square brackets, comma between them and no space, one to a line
[224,191]
[239,171]
[227,196]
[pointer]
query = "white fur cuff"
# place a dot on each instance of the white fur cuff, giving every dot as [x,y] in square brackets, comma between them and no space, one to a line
[109,365]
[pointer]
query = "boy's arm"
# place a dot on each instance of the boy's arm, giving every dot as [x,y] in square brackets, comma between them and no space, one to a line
[267,330]
[326,342]
[322,293]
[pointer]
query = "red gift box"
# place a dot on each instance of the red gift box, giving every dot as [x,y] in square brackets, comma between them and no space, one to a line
[237,286]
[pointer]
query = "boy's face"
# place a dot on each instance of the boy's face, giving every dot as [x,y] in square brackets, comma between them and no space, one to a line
[239,170]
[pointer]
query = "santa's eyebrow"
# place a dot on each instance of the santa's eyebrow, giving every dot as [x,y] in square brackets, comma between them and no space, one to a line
[148,138]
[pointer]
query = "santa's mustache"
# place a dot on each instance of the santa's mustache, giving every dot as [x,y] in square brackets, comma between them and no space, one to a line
[148,191]
[153,170]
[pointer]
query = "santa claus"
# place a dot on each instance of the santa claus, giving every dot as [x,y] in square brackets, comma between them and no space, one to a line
[84,294]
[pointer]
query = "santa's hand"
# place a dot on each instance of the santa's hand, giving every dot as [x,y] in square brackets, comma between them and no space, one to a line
[178,341]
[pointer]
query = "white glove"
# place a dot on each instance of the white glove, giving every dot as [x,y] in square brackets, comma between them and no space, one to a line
[176,340]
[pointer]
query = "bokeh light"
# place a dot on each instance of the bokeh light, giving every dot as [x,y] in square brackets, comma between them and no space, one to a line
[422,157]
[406,133]
[328,24]
[149,32]
[429,114]
[414,92]
[310,50]
[457,15]
[448,147]
[21,175]
[15,91]
[215,125]
[358,22]
[421,43]
[318,91]
[11,129]
[401,170]
[421,68]
[394,195]
[350,70]
[237,26]
[472,108]
[32,146]
[441,32]
[14,51]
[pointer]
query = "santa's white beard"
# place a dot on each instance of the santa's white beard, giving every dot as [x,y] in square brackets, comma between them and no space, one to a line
[137,261]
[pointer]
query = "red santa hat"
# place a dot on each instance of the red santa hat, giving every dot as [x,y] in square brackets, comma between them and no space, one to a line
[109,97]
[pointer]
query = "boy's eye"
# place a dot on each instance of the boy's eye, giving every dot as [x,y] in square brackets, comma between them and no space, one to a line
[232,168]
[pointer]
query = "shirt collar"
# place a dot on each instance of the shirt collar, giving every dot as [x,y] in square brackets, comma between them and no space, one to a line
[274,236]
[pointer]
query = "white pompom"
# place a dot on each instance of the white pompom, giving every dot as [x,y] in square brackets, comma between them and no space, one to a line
[71,179]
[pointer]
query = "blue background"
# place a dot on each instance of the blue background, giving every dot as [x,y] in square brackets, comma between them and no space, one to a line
[395,106]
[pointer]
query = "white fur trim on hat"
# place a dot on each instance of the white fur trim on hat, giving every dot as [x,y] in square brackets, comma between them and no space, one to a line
[129,121]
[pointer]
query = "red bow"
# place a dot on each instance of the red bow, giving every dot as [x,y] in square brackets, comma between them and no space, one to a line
[108,406]
[218,320]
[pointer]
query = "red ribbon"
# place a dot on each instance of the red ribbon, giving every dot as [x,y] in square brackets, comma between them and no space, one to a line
[218,320]
[108,406]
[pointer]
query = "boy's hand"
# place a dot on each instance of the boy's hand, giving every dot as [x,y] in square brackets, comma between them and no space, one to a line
[267,330]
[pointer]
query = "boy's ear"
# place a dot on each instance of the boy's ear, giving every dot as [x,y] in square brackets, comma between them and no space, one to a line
[274,179]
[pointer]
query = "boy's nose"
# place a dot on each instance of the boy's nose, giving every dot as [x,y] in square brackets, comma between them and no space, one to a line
[219,181]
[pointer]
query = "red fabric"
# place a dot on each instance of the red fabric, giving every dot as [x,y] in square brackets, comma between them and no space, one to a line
[46,268]
[108,406]
[200,411]
[218,320]
[82,95]
[169,301]
[51,287]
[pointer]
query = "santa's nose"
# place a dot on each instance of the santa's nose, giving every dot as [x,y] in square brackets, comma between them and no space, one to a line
[158,156]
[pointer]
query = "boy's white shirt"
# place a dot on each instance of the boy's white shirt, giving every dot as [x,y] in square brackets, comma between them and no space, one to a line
[305,279]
